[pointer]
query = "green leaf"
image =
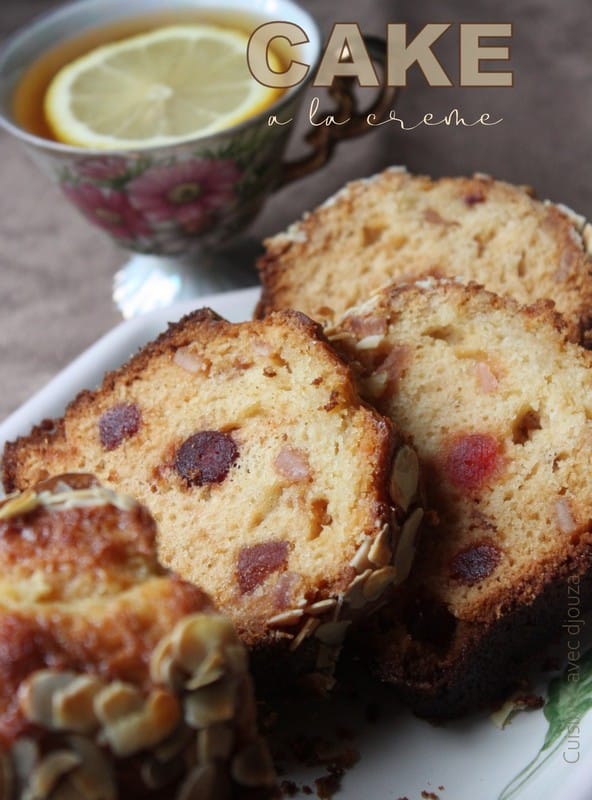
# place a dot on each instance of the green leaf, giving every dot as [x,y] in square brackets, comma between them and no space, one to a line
[569,697]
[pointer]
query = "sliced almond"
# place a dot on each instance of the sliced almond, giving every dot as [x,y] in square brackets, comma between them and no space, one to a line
[404,477]
[93,779]
[210,705]
[321,607]
[332,633]
[236,658]
[381,554]
[164,667]
[198,635]
[36,694]
[370,342]
[215,742]
[307,630]
[142,728]
[252,766]
[360,562]
[197,652]
[17,504]
[375,384]
[405,552]
[209,671]
[25,755]
[338,335]
[354,596]
[73,706]
[117,700]
[286,618]
[48,772]
[378,582]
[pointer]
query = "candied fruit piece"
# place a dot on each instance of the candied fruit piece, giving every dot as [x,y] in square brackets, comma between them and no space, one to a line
[206,457]
[257,562]
[475,563]
[118,423]
[292,463]
[486,378]
[473,198]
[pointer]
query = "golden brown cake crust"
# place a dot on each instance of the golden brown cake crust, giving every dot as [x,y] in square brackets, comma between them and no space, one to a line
[95,678]
[398,227]
[497,403]
[271,480]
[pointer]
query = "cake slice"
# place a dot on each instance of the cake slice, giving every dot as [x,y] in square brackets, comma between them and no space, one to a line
[498,405]
[117,679]
[269,478]
[397,227]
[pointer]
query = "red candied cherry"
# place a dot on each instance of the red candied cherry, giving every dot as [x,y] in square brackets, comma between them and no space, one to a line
[471,459]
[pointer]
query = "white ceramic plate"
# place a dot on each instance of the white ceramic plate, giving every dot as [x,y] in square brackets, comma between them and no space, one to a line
[400,756]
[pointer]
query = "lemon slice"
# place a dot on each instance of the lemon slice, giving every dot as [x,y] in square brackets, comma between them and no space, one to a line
[174,83]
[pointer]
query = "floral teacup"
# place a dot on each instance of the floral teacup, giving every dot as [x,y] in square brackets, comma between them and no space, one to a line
[172,200]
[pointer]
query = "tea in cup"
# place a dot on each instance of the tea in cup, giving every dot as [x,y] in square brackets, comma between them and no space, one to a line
[175,194]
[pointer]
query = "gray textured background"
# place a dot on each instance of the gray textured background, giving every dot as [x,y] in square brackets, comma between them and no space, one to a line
[55,271]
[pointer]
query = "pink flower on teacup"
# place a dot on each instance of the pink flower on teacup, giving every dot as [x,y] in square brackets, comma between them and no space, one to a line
[188,192]
[103,168]
[110,210]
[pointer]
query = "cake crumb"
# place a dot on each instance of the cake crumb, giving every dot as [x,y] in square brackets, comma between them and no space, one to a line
[317,751]
[288,788]
[328,785]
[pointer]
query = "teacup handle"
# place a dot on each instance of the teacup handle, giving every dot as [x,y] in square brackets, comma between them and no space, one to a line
[324,138]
